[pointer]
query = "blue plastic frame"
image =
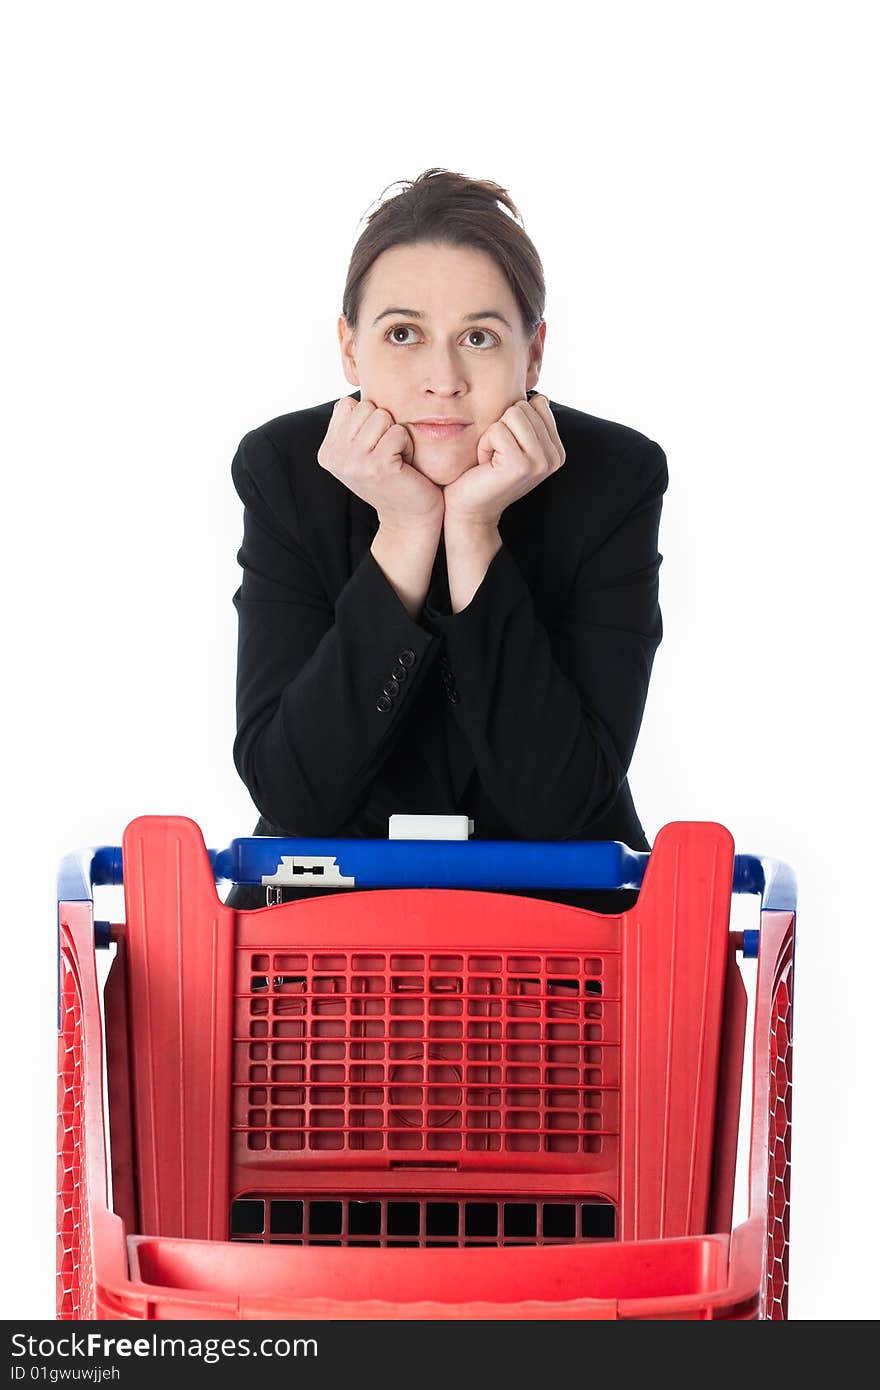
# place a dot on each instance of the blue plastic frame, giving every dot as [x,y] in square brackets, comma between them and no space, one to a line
[496,864]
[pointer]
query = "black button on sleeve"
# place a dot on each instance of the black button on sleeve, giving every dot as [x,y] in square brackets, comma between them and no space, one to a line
[407,657]
[384,703]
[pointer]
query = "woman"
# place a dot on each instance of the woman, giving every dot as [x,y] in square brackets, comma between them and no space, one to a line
[457,617]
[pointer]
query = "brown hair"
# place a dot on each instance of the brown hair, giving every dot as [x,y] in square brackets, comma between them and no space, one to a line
[445,207]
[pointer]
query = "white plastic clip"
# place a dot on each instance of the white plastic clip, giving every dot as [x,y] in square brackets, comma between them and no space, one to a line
[308,871]
[406,827]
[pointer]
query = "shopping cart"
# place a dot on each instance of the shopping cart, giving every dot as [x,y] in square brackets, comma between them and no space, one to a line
[434,1099]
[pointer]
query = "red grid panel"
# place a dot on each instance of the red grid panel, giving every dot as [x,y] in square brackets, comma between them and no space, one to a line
[74,1288]
[425,1054]
[779,1147]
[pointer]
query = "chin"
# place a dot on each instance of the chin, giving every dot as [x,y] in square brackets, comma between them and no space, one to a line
[443,471]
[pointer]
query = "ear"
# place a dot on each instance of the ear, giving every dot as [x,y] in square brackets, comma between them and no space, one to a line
[347,345]
[536,353]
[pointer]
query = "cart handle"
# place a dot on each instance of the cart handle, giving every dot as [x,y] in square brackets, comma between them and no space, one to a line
[487,864]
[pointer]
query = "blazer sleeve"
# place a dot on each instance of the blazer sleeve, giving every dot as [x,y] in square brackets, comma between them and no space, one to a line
[314,721]
[553,716]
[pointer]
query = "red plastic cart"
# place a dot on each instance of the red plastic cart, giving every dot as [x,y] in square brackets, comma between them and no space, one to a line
[421,1101]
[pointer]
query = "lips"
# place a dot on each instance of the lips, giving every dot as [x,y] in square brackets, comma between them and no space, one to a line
[438,431]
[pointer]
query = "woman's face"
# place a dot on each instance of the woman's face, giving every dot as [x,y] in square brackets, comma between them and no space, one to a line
[440,336]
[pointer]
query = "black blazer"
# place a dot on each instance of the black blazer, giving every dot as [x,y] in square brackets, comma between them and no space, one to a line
[521,711]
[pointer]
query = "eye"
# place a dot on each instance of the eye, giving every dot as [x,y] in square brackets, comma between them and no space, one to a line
[400,328]
[409,328]
[485,332]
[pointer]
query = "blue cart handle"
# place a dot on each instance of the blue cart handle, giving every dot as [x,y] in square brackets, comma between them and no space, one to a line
[486,864]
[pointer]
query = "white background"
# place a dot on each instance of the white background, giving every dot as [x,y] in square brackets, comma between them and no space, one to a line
[184,184]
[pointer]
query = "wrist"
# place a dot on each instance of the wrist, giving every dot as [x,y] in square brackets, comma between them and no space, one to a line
[470,545]
[403,527]
[469,530]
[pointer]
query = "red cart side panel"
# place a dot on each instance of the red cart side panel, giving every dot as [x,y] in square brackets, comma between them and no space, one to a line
[179,939]
[673,988]
[90,1239]
[770,1159]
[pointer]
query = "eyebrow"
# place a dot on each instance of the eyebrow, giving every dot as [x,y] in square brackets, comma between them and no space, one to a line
[467,318]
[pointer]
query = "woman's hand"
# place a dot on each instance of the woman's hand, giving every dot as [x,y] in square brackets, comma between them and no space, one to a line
[372,456]
[514,455]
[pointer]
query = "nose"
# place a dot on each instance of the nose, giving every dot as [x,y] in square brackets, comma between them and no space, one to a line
[446,375]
